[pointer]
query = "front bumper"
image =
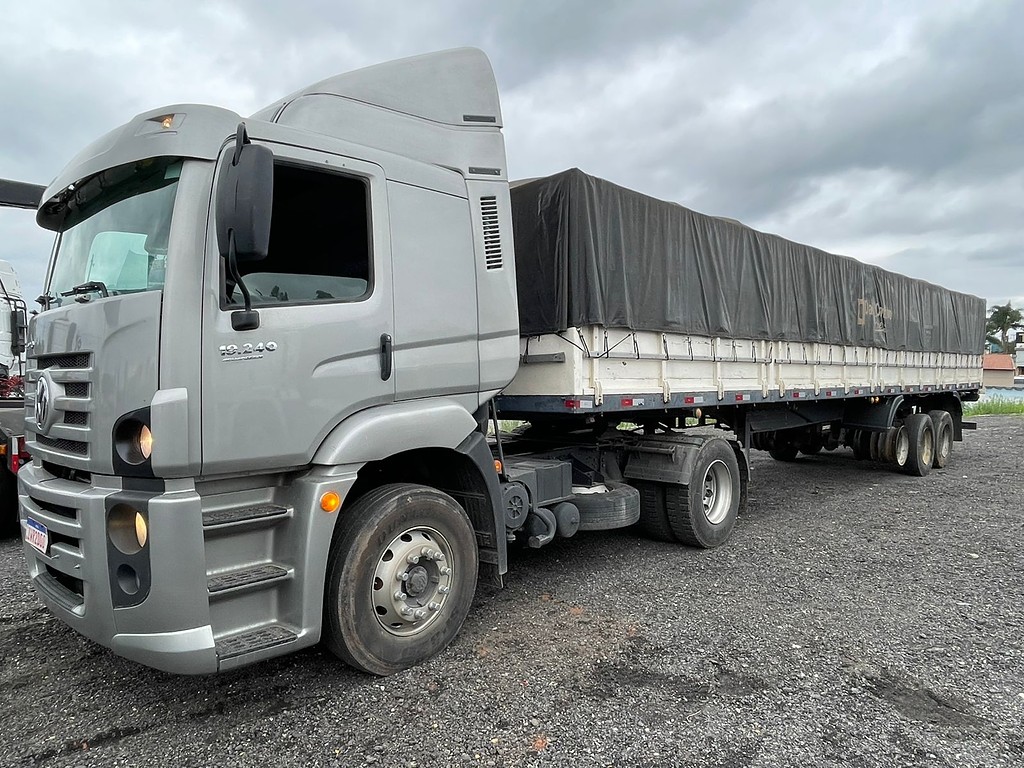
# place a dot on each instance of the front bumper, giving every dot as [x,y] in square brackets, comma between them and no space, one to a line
[165,623]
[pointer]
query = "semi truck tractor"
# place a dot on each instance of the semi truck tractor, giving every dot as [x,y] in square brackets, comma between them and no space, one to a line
[13,326]
[310,375]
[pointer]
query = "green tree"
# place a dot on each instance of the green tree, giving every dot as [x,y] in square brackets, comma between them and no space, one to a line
[1003,319]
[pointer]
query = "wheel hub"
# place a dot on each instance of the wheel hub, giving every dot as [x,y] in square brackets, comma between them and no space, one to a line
[716,492]
[412,581]
[417,581]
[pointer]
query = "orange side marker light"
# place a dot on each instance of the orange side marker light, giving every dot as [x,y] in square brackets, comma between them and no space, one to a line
[330,502]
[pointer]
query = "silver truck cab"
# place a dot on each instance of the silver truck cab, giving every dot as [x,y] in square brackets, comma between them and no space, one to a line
[220,478]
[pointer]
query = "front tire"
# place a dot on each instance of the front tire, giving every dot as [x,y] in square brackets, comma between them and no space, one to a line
[400,579]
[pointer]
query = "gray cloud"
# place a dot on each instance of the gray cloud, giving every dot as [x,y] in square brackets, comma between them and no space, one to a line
[890,132]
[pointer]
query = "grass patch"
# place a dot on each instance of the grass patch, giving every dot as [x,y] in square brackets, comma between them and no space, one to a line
[997,405]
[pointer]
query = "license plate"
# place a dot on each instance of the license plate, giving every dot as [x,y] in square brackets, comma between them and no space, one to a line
[37,535]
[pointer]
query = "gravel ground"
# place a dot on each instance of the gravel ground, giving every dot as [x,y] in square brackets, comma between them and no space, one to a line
[857,618]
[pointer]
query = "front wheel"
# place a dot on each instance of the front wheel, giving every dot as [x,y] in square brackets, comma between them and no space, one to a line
[400,579]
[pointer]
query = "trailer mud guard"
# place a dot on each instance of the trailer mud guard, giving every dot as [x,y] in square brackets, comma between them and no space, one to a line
[875,417]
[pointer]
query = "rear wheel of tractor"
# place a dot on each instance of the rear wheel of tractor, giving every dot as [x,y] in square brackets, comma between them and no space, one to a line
[400,578]
[942,423]
[618,507]
[704,512]
[921,436]
[862,445]
[653,513]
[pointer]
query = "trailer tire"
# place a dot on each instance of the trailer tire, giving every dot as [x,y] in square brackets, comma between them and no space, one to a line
[942,423]
[921,435]
[703,513]
[898,448]
[653,513]
[619,507]
[377,621]
[862,445]
[784,451]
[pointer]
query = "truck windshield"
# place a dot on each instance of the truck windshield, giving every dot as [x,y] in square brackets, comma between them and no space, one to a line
[114,236]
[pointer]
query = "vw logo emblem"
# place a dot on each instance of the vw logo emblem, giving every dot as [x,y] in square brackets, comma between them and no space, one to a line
[42,403]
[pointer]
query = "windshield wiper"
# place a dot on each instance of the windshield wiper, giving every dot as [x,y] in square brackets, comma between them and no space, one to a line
[92,287]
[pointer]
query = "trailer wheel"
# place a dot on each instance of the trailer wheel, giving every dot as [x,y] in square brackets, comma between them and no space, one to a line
[704,512]
[400,578]
[653,513]
[813,445]
[618,507]
[921,435]
[899,446]
[861,445]
[784,451]
[942,423]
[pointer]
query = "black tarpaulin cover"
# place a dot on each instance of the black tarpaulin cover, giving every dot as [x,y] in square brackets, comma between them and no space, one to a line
[589,252]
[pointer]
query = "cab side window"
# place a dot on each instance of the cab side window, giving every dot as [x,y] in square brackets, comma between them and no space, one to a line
[319,241]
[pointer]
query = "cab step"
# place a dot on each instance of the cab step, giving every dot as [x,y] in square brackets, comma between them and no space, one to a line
[217,519]
[260,575]
[250,641]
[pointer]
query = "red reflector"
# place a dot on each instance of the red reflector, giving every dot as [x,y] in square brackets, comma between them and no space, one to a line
[572,403]
[688,401]
[627,402]
[796,394]
[739,398]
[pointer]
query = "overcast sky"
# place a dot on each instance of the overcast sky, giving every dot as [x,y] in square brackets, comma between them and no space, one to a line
[892,132]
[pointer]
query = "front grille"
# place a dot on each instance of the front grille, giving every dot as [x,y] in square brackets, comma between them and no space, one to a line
[65,446]
[70,583]
[69,360]
[55,509]
[76,389]
[76,418]
[67,473]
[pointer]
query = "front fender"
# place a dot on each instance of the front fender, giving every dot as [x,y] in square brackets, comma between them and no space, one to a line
[382,431]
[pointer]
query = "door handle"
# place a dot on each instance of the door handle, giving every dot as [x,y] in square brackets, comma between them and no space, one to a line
[386,349]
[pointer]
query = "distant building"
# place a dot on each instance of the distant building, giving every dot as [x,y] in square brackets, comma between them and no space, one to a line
[1020,362]
[998,370]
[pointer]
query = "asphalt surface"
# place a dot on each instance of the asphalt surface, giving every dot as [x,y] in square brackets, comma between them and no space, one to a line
[857,617]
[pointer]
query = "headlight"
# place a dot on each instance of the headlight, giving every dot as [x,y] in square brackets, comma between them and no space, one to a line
[134,441]
[145,442]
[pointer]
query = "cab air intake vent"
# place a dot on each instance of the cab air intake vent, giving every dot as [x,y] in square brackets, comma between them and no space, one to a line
[492,235]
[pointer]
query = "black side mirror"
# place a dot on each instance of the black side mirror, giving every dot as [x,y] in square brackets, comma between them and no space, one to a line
[19,331]
[245,200]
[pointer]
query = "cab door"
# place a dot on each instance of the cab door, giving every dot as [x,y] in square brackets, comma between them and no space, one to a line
[326,317]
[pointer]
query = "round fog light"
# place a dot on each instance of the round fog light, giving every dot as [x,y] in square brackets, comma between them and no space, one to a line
[127,528]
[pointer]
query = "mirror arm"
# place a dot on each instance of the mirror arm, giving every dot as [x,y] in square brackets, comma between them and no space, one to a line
[247,319]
